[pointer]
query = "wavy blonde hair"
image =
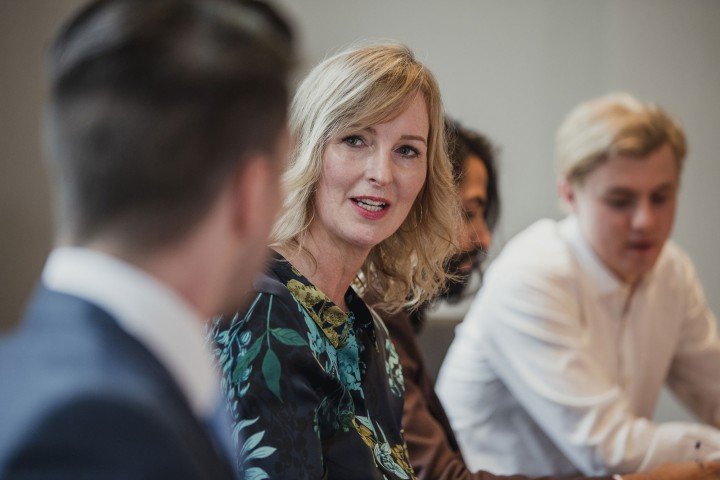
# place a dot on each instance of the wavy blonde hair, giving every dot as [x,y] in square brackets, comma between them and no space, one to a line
[360,87]
[614,124]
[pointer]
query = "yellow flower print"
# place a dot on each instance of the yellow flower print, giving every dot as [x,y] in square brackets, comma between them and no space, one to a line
[334,316]
[306,294]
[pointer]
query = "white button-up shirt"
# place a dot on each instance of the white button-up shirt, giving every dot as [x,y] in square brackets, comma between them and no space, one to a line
[145,308]
[556,370]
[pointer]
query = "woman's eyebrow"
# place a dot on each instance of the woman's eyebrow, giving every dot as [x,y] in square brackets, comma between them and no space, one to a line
[414,137]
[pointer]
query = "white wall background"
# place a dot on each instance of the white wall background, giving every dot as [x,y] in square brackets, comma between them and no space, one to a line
[513,69]
[509,68]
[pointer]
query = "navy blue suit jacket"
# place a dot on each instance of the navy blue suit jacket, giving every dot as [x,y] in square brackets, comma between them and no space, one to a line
[81,399]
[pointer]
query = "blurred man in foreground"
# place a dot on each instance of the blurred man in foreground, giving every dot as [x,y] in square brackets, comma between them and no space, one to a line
[166,137]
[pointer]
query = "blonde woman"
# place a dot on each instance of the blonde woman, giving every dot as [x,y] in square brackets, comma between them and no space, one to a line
[314,382]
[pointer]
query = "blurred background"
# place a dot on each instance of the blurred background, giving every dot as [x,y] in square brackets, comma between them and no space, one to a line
[508,68]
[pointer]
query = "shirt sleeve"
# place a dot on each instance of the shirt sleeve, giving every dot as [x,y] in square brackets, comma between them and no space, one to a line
[268,369]
[695,372]
[433,451]
[538,348]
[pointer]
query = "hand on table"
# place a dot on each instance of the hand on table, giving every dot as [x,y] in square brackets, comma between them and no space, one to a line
[690,470]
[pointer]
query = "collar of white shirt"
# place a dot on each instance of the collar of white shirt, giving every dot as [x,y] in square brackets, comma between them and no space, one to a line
[146,309]
[602,279]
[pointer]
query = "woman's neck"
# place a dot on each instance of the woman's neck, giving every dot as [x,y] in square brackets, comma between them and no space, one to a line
[327,265]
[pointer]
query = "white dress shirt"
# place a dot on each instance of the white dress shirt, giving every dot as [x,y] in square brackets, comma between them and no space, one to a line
[169,327]
[555,370]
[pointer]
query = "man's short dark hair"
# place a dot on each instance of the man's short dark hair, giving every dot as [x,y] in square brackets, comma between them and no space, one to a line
[154,103]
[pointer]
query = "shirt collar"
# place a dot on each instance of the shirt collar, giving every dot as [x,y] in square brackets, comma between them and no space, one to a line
[334,323]
[146,309]
[603,280]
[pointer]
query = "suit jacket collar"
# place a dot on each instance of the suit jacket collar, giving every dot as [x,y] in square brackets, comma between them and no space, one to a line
[147,310]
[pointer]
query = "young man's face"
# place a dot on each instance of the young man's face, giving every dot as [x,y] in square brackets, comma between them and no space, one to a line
[626,209]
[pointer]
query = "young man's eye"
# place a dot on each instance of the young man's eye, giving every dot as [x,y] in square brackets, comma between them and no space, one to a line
[619,203]
[354,140]
[659,199]
[408,151]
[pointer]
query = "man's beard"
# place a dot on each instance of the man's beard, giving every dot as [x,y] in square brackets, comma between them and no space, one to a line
[454,287]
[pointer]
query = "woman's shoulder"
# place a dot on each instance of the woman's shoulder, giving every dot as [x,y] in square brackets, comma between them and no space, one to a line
[270,302]
[537,256]
[269,283]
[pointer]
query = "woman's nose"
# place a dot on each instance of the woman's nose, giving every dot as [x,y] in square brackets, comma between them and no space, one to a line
[379,168]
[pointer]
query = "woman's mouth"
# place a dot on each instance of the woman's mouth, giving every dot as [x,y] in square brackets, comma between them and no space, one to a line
[369,207]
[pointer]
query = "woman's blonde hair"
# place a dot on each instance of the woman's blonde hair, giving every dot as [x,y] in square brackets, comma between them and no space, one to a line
[614,124]
[358,88]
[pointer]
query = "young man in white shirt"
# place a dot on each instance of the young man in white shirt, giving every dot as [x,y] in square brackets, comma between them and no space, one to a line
[559,363]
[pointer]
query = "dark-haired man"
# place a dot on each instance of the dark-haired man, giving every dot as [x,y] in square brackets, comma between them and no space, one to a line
[166,133]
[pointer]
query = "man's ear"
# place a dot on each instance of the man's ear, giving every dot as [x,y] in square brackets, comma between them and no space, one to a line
[252,186]
[566,191]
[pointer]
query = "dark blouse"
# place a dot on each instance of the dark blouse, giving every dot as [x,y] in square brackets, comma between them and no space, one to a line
[314,392]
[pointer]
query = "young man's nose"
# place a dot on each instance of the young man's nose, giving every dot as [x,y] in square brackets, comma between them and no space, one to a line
[644,216]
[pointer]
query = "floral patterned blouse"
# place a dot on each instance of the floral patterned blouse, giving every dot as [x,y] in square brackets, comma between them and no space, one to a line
[314,392]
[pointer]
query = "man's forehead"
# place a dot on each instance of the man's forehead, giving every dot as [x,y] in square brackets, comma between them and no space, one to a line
[634,174]
[621,189]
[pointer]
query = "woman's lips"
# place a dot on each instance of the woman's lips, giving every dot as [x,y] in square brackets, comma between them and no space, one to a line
[372,208]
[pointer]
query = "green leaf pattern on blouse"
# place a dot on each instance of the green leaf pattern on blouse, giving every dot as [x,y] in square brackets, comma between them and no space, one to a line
[248,353]
[226,341]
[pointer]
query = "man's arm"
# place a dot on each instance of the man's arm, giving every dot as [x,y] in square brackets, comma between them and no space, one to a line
[695,372]
[536,337]
[434,454]
[431,453]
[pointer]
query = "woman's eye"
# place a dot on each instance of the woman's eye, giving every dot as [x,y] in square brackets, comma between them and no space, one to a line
[408,151]
[354,140]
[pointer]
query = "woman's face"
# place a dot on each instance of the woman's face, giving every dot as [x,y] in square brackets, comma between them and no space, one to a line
[370,180]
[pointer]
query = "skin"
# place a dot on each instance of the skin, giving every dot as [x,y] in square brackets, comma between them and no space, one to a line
[258,202]
[475,234]
[626,208]
[384,163]
[213,266]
